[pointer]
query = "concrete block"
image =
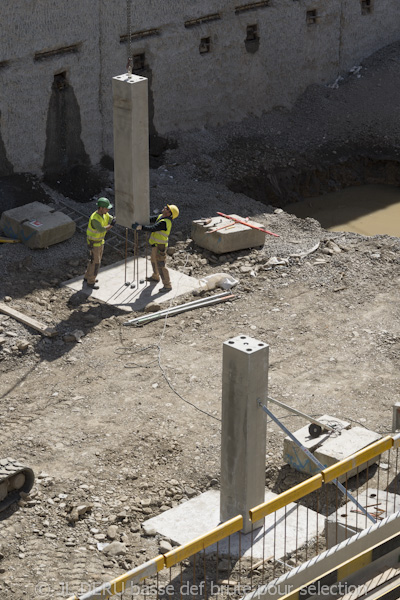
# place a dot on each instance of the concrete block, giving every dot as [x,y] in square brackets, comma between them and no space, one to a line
[296,458]
[37,225]
[346,521]
[131,150]
[328,448]
[346,443]
[231,238]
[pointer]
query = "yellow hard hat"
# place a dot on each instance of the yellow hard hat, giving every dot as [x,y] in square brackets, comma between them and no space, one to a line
[174,210]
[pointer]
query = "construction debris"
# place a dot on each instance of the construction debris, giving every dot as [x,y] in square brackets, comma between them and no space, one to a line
[174,310]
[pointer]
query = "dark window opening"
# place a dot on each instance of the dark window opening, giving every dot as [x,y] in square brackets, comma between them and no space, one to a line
[205,45]
[60,80]
[311,17]
[138,62]
[366,7]
[251,33]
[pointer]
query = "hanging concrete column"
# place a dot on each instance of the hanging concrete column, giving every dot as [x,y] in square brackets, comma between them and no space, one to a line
[243,437]
[131,149]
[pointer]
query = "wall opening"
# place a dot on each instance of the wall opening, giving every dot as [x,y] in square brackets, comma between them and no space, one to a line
[366,7]
[139,62]
[205,45]
[311,17]
[252,41]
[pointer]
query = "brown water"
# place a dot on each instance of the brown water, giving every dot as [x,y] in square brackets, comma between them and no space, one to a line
[367,209]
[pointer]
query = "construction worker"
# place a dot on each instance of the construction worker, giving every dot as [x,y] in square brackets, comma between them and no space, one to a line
[160,230]
[99,223]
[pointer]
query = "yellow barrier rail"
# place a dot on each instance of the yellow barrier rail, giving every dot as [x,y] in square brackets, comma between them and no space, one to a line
[212,537]
[357,459]
[234,525]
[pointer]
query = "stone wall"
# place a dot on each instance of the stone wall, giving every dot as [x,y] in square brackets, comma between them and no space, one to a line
[57,60]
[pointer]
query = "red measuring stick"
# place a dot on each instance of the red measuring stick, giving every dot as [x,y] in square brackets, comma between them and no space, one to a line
[248,224]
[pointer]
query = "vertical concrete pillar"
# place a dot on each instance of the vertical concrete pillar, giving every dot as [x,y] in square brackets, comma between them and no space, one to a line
[396,417]
[243,437]
[131,149]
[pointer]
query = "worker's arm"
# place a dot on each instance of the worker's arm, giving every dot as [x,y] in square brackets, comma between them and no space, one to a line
[95,224]
[160,226]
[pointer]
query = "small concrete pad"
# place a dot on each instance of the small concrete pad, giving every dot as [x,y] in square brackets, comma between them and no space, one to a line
[233,236]
[112,289]
[200,515]
[37,225]
[328,448]
[346,521]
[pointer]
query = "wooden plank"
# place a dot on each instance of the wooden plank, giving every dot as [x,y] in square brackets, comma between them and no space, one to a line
[15,314]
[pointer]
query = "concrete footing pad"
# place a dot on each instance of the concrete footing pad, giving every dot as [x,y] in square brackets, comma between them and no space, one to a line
[277,537]
[37,225]
[347,520]
[135,296]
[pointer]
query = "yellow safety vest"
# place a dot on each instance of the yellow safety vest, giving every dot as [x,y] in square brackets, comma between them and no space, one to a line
[97,237]
[161,237]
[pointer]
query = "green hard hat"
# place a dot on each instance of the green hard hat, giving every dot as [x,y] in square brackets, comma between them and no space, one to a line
[104,203]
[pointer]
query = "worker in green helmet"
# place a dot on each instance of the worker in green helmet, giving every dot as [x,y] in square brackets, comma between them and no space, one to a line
[160,228]
[99,223]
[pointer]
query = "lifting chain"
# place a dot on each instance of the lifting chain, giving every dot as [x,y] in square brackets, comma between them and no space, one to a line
[129,20]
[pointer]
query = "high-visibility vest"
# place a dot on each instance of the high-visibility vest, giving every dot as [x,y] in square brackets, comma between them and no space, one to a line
[161,237]
[97,237]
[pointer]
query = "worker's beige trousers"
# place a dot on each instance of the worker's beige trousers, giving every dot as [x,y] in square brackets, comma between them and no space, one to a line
[158,259]
[95,256]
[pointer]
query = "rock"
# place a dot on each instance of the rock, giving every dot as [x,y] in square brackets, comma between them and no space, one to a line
[190,492]
[78,511]
[114,549]
[23,345]
[112,532]
[148,529]
[7,299]
[165,547]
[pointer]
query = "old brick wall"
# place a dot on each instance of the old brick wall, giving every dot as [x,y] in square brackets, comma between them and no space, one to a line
[208,62]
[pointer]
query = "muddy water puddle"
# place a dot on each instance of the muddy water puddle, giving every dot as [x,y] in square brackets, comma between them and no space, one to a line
[367,209]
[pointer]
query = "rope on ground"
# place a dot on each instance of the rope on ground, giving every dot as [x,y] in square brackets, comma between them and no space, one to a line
[158,360]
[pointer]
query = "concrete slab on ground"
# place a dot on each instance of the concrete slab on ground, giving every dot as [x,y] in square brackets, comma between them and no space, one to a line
[230,236]
[200,515]
[112,289]
[347,520]
[328,448]
[37,225]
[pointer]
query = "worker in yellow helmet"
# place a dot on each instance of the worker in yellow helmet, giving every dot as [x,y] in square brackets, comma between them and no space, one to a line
[99,223]
[160,228]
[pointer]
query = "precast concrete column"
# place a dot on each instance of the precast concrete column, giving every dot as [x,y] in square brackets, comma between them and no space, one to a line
[131,149]
[243,437]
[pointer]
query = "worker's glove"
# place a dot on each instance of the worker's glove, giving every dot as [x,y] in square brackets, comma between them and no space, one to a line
[114,220]
[136,227]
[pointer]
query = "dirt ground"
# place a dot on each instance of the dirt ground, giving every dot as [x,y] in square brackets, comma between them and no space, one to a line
[126,422]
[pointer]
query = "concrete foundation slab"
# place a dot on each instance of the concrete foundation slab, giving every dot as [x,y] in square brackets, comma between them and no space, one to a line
[37,225]
[328,448]
[201,514]
[231,237]
[346,521]
[112,289]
